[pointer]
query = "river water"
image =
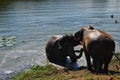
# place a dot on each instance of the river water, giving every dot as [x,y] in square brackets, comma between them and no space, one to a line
[33,22]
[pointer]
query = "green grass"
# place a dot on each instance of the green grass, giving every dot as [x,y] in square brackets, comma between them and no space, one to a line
[36,73]
[50,72]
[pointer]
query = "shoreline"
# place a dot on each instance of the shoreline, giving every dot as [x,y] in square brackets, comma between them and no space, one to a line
[10,74]
[59,73]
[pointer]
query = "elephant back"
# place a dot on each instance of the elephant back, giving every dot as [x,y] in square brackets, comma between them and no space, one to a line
[98,41]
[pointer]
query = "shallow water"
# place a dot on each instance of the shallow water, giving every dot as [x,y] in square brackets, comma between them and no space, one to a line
[33,22]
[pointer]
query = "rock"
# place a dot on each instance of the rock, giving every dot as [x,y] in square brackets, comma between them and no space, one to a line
[57,66]
[7,41]
[69,65]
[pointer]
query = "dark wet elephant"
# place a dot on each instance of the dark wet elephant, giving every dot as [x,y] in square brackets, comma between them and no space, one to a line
[96,44]
[59,47]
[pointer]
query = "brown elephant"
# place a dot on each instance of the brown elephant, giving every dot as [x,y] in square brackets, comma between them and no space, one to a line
[59,47]
[98,45]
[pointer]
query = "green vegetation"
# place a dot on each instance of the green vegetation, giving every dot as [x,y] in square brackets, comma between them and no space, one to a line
[7,41]
[36,72]
[50,72]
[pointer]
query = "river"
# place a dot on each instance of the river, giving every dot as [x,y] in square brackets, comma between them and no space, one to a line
[33,22]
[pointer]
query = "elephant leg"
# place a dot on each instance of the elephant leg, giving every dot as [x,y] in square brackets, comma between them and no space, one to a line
[106,67]
[99,67]
[89,65]
[106,63]
[94,64]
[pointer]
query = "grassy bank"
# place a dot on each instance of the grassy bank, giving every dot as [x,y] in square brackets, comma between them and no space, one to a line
[49,72]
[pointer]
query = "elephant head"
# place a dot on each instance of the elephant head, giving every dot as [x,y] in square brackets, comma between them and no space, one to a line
[59,47]
[98,45]
[80,34]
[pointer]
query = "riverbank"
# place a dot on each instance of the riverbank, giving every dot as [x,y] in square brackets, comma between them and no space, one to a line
[52,73]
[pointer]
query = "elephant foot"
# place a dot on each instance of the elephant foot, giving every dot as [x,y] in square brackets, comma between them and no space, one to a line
[105,72]
[101,72]
[90,69]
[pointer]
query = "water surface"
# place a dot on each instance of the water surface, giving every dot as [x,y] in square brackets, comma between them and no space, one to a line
[33,22]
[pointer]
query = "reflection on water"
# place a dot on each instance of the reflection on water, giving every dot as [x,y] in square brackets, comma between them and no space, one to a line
[33,22]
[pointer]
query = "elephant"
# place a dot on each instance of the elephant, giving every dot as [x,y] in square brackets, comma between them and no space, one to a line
[98,45]
[58,48]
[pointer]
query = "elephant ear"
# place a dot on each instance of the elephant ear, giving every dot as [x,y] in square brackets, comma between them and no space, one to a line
[65,41]
[79,35]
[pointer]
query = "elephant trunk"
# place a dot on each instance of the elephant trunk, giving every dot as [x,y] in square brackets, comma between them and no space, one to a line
[79,51]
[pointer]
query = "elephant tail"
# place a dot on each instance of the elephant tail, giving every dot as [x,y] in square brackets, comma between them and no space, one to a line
[116,57]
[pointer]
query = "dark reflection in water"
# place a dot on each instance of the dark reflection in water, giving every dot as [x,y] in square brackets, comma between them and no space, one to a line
[4,4]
